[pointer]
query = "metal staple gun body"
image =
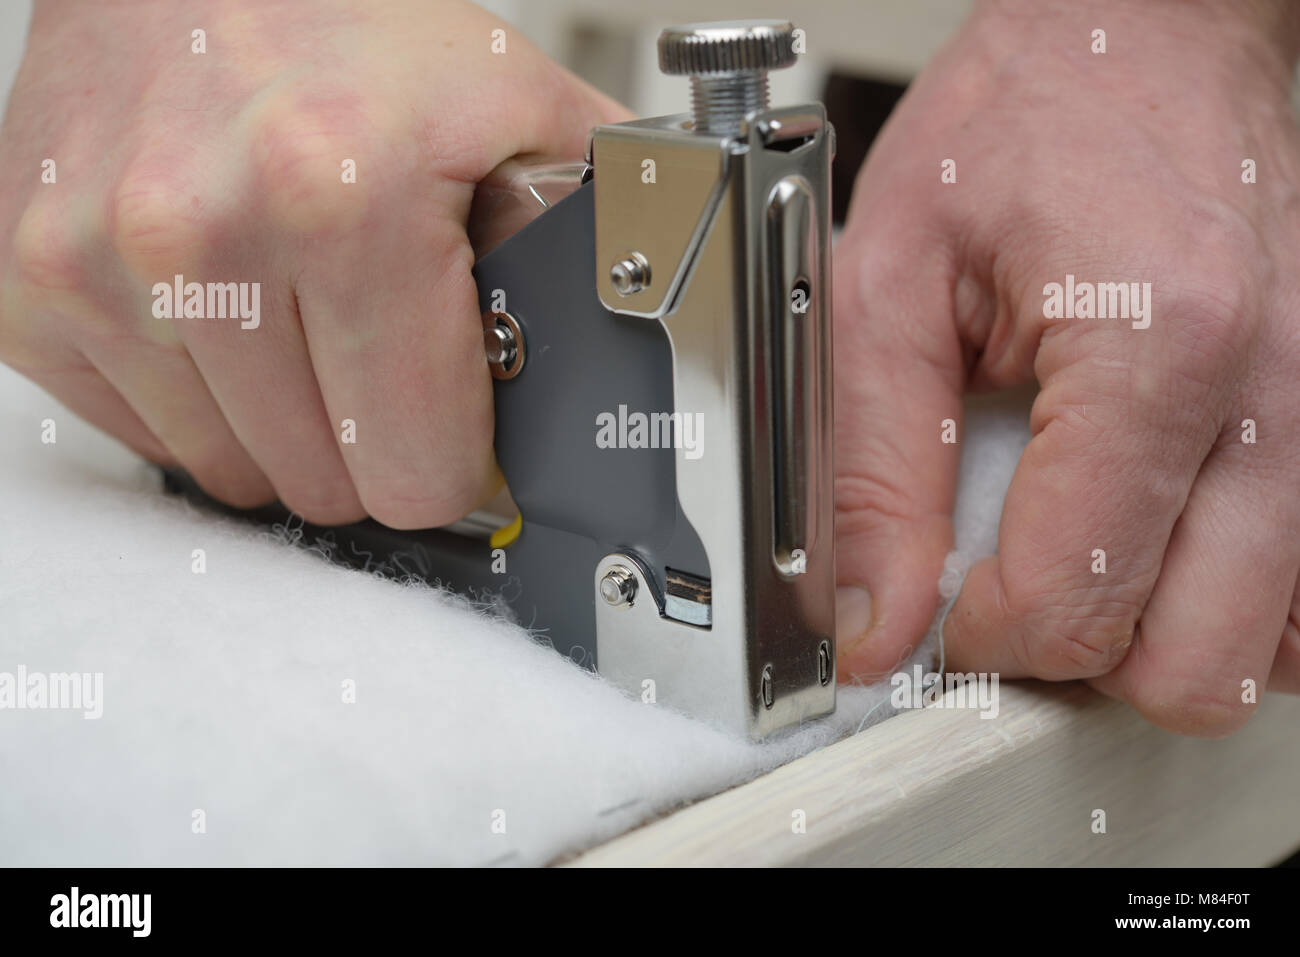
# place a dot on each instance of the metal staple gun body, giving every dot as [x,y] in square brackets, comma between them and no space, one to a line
[679,300]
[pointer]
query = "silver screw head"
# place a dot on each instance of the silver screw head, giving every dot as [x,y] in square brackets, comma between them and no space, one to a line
[499,345]
[630,274]
[503,344]
[769,698]
[618,587]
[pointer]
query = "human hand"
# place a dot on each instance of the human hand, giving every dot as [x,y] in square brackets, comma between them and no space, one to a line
[1118,167]
[230,166]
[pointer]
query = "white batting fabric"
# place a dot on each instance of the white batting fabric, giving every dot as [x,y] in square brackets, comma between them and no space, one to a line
[224,736]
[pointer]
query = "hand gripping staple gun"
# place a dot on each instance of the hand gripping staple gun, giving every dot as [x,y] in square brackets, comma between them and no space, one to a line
[681,290]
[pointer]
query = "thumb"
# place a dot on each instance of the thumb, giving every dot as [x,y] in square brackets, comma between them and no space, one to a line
[571,109]
[898,384]
[590,108]
[516,104]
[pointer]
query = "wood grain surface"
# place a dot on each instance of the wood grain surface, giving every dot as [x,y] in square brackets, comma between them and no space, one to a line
[945,787]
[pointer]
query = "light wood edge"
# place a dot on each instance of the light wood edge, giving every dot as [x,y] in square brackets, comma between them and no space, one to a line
[945,787]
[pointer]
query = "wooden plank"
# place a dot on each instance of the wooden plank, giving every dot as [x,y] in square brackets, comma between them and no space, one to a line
[945,787]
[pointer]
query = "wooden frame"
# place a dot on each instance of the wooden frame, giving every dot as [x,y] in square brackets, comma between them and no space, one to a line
[945,787]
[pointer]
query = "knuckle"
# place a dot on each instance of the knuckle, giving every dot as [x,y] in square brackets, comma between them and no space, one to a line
[870,501]
[1211,323]
[1145,430]
[1079,649]
[46,254]
[1211,225]
[157,224]
[1071,416]
[1069,632]
[298,151]
[1215,301]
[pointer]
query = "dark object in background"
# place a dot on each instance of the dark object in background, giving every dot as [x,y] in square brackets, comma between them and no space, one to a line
[858,107]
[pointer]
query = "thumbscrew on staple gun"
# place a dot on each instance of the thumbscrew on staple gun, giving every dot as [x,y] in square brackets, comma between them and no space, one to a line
[728,64]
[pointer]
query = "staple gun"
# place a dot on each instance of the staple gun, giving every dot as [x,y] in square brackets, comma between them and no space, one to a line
[657,323]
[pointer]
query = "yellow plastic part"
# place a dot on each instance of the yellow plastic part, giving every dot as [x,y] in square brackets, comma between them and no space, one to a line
[505,536]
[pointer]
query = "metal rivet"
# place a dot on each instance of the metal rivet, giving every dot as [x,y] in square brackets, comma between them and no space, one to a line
[768,696]
[503,344]
[824,662]
[630,275]
[618,587]
[499,344]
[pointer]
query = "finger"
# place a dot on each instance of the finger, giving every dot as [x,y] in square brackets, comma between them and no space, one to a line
[584,104]
[1210,632]
[385,289]
[494,122]
[87,394]
[261,375]
[1121,427]
[248,345]
[389,311]
[112,327]
[32,327]
[401,358]
[898,382]
[164,388]
[1285,674]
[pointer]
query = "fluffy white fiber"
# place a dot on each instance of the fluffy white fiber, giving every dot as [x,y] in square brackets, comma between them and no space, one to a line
[222,691]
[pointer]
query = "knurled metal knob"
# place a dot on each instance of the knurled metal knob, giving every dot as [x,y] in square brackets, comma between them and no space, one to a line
[728,63]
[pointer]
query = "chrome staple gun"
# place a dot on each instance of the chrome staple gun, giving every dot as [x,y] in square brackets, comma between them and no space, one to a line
[660,341]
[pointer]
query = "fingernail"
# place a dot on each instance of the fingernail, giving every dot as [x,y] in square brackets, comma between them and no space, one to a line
[852,616]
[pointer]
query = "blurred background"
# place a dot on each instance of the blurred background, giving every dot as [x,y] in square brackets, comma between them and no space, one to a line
[860,55]
[14,15]
[612,45]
